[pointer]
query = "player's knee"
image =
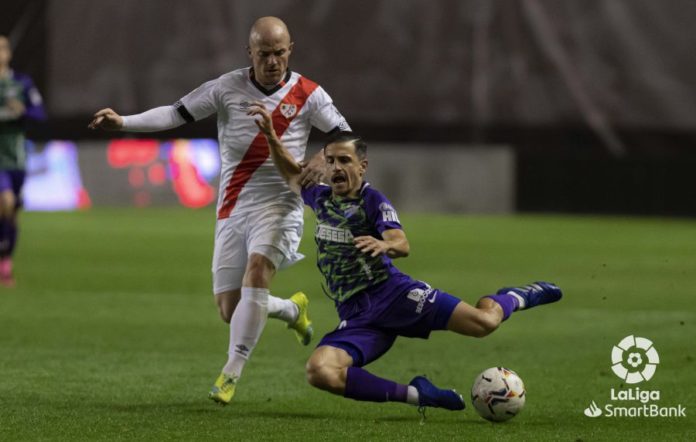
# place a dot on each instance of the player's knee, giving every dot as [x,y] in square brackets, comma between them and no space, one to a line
[259,271]
[314,372]
[7,205]
[322,375]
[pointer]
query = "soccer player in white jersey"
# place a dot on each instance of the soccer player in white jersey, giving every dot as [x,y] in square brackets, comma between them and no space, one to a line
[259,220]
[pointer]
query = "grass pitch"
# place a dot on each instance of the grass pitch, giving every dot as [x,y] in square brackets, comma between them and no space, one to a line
[112,333]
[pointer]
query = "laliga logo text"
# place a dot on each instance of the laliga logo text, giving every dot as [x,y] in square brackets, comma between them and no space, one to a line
[634,360]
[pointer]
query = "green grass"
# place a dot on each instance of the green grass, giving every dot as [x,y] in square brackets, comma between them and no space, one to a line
[112,334]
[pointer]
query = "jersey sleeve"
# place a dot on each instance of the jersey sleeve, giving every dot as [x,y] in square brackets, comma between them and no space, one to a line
[311,194]
[325,116]
[199,103]
[380,211]
[32,100]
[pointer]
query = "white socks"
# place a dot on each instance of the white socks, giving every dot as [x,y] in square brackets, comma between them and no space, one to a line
[520,300]
[283,309]
[412,395]
[246,325]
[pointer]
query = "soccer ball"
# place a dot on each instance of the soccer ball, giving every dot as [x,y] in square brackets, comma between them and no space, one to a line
[498,394]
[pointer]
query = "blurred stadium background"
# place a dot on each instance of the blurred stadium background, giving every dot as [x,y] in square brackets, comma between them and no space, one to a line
[470,106]
[536,110]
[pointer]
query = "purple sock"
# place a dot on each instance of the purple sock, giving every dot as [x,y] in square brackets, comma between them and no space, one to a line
[509,303]
[362,385]
[4,238]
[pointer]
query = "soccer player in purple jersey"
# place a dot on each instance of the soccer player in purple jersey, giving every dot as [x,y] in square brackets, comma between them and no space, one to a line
[19,101]
[358,234]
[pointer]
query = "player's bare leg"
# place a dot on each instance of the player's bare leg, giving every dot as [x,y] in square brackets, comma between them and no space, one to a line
[491,310]
[293,311]
[7,233]
[227,302]
[476,321]
[248,309]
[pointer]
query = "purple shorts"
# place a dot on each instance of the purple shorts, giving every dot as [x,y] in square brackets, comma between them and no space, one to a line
[371,321]
[12,180]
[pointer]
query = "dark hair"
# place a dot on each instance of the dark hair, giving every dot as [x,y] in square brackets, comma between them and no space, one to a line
[347,136]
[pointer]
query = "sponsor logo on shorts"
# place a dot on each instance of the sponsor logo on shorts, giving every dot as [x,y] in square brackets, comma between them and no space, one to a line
[421,296]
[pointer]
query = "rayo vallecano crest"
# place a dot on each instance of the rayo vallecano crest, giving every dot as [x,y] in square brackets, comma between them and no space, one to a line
[288,110]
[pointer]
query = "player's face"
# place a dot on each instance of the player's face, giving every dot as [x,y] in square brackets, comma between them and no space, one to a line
[269,57]
[5,51]
[344,169]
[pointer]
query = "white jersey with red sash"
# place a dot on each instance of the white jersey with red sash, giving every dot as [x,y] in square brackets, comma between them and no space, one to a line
[248,178]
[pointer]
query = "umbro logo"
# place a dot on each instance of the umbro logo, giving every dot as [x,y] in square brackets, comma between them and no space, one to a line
[242,350]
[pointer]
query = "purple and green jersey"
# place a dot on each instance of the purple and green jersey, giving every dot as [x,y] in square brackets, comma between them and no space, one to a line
[375,301]
[18,87]
[346,269]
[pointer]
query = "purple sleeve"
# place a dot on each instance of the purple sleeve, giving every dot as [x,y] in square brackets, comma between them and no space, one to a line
[310,194]
[32,100]
[381,212]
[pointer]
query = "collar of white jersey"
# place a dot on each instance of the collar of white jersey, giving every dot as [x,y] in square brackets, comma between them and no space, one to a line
[274,89]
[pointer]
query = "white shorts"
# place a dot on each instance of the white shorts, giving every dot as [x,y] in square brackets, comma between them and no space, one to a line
[273,232]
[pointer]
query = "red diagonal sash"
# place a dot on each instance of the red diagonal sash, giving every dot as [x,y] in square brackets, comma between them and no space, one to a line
[258,151]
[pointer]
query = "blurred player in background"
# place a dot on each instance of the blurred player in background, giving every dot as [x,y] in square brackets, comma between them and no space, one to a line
[358,234]
[19,101]
[259,220]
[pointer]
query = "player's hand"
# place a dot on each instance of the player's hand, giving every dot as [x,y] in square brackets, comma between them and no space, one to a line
[265,123]
[106,119]
[16,107]
[370,245]
[312,170]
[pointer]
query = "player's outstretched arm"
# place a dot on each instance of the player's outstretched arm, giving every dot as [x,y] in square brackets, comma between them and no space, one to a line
[286,164]
[394,244]
[153,120]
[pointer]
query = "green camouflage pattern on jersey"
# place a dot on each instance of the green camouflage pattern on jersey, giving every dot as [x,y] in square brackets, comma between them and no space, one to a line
[12,141]
[346,269]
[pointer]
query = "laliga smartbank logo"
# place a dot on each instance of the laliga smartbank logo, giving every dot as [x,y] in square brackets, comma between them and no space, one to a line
[634,360]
